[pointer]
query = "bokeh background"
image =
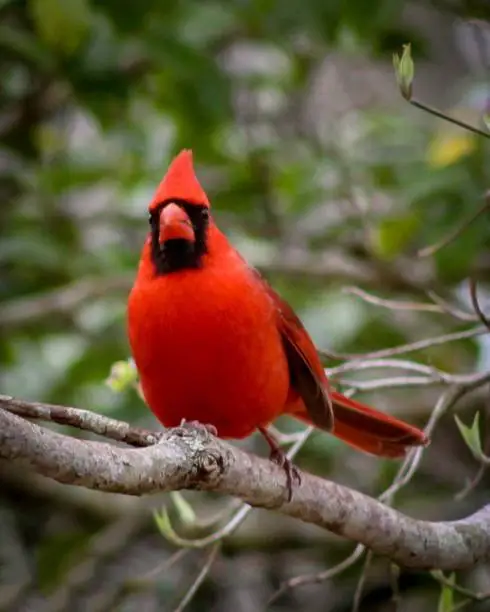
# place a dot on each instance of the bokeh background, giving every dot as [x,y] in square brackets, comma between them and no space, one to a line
[323,177]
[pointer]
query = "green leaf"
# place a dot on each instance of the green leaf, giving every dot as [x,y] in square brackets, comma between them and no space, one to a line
[61,24]
[164,525]
[404,71]
[184,509]
[471,435]
[446,598]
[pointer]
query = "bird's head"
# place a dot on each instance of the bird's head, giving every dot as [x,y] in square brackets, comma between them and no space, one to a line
[179,218]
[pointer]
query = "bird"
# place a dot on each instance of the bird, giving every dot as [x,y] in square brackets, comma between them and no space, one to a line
[215,345]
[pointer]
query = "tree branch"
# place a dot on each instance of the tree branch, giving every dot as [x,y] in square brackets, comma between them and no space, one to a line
[402,349]
[191,458]
[81,419]
[438,305]
[461,227]
[476,304]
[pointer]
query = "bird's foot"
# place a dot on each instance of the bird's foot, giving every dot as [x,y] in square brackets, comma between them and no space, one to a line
[198,425]
[292,473]
[279,457]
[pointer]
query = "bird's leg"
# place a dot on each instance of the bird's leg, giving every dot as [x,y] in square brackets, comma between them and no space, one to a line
[279,456]
[198,425]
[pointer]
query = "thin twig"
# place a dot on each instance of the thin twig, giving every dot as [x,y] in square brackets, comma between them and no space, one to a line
[412,346]
[319,577]
[285,438]
[161,567]
[356,602]
[439,305]
[199,579]
[472,483]
[85,420]
[389,383]
[206,522]
[391,304]
[457,231]
[475,596]
[414,457]
[476,304]
[437,113]
[451,309]
[147,581]
[410,381]
[395,364]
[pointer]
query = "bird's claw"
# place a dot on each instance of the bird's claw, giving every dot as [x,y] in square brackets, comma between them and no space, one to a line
[293,475]
[208,427]
[279,457]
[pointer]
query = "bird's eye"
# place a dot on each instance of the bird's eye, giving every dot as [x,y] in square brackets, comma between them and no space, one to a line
[150,218]
[205,214]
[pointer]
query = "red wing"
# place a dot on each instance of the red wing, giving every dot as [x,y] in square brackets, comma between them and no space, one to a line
[306,371]
[357,424]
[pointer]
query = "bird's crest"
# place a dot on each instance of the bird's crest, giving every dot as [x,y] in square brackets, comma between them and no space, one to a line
[180,183]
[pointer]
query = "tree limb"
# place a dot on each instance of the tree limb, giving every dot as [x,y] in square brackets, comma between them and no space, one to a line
[81,419]
[191,458]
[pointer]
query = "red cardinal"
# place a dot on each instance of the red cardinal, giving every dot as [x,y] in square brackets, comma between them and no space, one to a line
[214,343]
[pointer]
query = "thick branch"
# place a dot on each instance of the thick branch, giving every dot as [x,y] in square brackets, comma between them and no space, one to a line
[191,458]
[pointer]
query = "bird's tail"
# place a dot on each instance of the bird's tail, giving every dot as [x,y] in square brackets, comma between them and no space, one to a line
[368,429]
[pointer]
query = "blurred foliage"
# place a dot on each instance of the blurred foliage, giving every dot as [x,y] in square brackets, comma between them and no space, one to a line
[96,97]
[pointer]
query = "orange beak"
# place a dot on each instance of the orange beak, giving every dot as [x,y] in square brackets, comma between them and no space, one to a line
[175,225]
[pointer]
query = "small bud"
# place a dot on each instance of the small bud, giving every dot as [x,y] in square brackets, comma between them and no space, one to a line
[404,71]
[122,375]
